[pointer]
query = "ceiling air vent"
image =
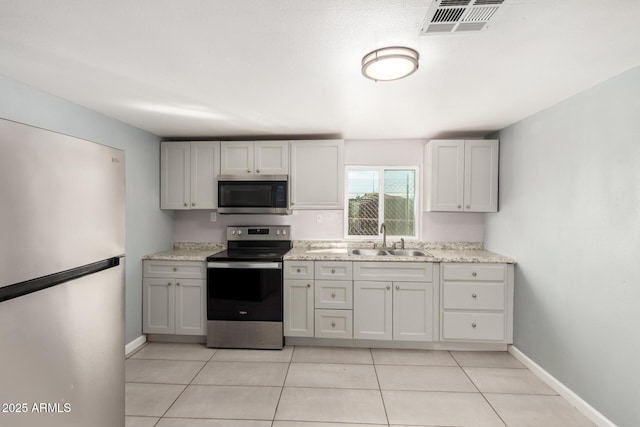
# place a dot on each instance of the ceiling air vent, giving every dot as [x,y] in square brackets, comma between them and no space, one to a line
[460,16]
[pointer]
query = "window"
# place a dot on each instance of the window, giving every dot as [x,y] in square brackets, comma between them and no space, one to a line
[377,195]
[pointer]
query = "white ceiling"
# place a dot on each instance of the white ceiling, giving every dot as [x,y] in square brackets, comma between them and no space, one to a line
[225,68]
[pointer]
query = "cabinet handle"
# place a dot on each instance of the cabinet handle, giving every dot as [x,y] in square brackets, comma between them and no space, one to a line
[308,285]
[258,171]
[169,284]
[298,271]
[459,206]
[178,284]
[388,287]
[333,324]
[248,171]
[333,271]
[473,325]
[175,268]
[185,205]
[397,287]
[333,295]
[473,296]
[474,274]
[193,204]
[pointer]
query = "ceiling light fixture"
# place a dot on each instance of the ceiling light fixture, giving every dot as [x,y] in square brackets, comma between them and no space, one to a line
[390,63]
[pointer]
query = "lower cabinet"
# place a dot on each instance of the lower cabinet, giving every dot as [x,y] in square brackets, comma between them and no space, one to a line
[477,302]
[298,298]
[174,298]
[398,309]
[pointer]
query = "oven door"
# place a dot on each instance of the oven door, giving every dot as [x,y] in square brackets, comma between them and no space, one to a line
[244,291]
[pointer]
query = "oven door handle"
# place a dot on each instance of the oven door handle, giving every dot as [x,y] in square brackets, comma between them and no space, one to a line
[246,265]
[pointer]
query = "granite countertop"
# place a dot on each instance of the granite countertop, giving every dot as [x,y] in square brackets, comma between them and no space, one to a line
[338,251]
[436,252]
[187,251]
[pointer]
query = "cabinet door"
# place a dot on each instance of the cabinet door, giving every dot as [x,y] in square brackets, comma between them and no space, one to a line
[175,187]
[412,311]
[190,309]
[298,308]
[271,157]
[372,305]
[444,177]
[158,296]
[317,174]
[236,157]
[205,168]
[481,176]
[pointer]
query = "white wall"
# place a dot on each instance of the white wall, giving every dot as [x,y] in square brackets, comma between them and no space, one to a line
[570,216]
[148,229]
[195,226]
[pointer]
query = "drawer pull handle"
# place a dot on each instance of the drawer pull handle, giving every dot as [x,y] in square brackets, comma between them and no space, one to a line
[468,206]
[333,324]
[178,284]
[473,325]
[388,287]
[333,271]
[333,295]
[474,296]
[298,271]
[244,313]
[175,268]
[169,284]
[308,285]
[474,274]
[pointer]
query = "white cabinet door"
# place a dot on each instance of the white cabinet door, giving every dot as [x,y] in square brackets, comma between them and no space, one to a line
[317,174]
[481,176]
[175,166]
[298,308]
[190,313]
[412,311]
[372,308]
[205,168]
[461,176]
[158,297]
[236,157]
[271,157]
[444,175]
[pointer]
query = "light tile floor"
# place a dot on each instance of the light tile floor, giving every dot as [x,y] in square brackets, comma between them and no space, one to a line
[189,385]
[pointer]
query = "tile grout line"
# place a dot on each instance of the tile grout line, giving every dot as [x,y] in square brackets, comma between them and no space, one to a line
[375,370]
[275,411]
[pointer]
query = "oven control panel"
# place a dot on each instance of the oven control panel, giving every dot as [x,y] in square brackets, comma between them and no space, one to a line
[259,232]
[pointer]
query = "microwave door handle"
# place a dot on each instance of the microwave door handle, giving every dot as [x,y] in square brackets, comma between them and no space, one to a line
[246,265]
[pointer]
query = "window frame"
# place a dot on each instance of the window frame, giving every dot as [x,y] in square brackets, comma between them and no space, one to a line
[381,170]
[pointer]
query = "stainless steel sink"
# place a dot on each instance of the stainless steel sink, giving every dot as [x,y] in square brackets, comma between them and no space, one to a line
[390,252]
[368,252]
[406,252]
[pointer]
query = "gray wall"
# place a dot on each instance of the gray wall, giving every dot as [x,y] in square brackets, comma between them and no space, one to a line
[148,229]
[570,216]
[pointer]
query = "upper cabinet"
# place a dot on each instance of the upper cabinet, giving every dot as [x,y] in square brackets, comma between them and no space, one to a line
[188,174]
[254,157]
[317,174]
[461,175]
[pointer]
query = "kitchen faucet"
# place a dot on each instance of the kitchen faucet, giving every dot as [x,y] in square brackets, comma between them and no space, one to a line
[383,230]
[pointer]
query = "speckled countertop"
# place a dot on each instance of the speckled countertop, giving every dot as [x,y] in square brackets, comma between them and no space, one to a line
[188,251]
[338,251]
[436,252]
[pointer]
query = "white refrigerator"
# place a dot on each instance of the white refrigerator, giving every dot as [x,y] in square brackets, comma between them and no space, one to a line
[62,229]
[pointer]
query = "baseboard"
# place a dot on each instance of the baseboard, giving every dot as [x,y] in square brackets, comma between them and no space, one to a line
[134,345]
[564,391]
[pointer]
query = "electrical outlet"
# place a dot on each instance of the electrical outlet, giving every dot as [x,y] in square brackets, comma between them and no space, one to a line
[214,216]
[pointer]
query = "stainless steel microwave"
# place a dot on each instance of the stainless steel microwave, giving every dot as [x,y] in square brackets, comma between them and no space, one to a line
[253,194]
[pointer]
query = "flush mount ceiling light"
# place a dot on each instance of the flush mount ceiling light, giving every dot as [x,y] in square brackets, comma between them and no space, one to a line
[390,63]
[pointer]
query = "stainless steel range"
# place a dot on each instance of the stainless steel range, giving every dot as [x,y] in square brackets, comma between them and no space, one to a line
[244,288]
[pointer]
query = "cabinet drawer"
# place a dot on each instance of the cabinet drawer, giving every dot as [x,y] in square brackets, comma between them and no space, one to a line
[333,270]
[334,324]
[473,326]
[488,272]
[174,269]
[336,294]
[473,296]
[394,271]
[298,270]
